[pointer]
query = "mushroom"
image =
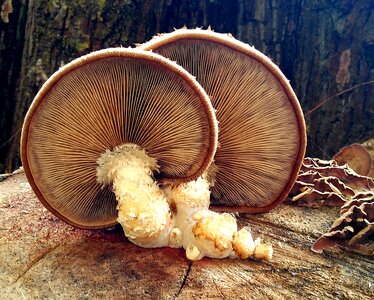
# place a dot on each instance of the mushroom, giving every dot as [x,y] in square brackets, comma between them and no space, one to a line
[330,168]
[324,182]
[357,157]
[110,114]
[110,121]
[353,230]
[6,9]
[369,146]
[262,130]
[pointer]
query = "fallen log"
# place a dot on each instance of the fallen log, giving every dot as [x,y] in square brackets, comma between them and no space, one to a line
[42,257]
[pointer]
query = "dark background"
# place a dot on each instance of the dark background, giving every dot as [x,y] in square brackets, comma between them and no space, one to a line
[323,47]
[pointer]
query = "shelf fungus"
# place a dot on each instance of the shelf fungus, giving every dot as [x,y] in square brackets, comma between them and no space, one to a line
[124,135]
[262,130]
[353,230]
[324,182]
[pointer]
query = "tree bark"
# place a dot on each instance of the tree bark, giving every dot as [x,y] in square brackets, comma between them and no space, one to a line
[335,52]
[323,47]
[11,48]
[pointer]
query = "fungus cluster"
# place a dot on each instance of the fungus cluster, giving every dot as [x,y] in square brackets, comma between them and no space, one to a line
[128,136]
[322,182]
[353,229]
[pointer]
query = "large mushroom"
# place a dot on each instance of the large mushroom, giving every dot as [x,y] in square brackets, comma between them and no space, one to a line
[112,107]
[262,130]
[99,130]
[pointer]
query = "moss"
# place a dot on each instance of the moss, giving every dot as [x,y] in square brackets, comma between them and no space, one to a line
[101,5]
[81,46]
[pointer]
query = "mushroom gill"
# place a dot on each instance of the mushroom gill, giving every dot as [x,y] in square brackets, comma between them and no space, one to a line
[105,100]
[109,121]
[262,131]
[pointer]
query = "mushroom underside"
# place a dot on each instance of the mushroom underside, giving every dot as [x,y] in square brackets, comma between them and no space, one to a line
[107,99]
[262,132]
[134,115]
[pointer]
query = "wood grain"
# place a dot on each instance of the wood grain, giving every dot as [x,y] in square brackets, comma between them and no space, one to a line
[42,257]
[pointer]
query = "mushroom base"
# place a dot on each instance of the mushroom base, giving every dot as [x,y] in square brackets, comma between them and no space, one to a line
[144,210]
[204,233]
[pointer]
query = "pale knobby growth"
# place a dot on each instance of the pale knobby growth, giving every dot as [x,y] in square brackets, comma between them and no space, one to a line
[175,216]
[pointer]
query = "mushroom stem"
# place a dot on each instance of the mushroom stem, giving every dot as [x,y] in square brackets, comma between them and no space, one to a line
[143,210]
[145,215]
[204,233]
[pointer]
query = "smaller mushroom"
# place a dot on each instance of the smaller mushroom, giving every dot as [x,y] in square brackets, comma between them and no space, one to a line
[369,146]
[357,157]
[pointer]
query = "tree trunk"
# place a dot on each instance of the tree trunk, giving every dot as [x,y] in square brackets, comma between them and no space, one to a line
[323,47]
[11,48]
[335,52]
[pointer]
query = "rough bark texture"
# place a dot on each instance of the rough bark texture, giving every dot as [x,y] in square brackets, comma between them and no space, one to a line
[337,54]
[11,48]
[323,47]
[43,258]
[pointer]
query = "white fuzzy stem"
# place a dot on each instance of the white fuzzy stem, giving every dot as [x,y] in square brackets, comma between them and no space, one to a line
[145,215]
[143,210]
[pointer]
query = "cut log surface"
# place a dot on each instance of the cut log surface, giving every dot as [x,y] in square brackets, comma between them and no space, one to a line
[44,258]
